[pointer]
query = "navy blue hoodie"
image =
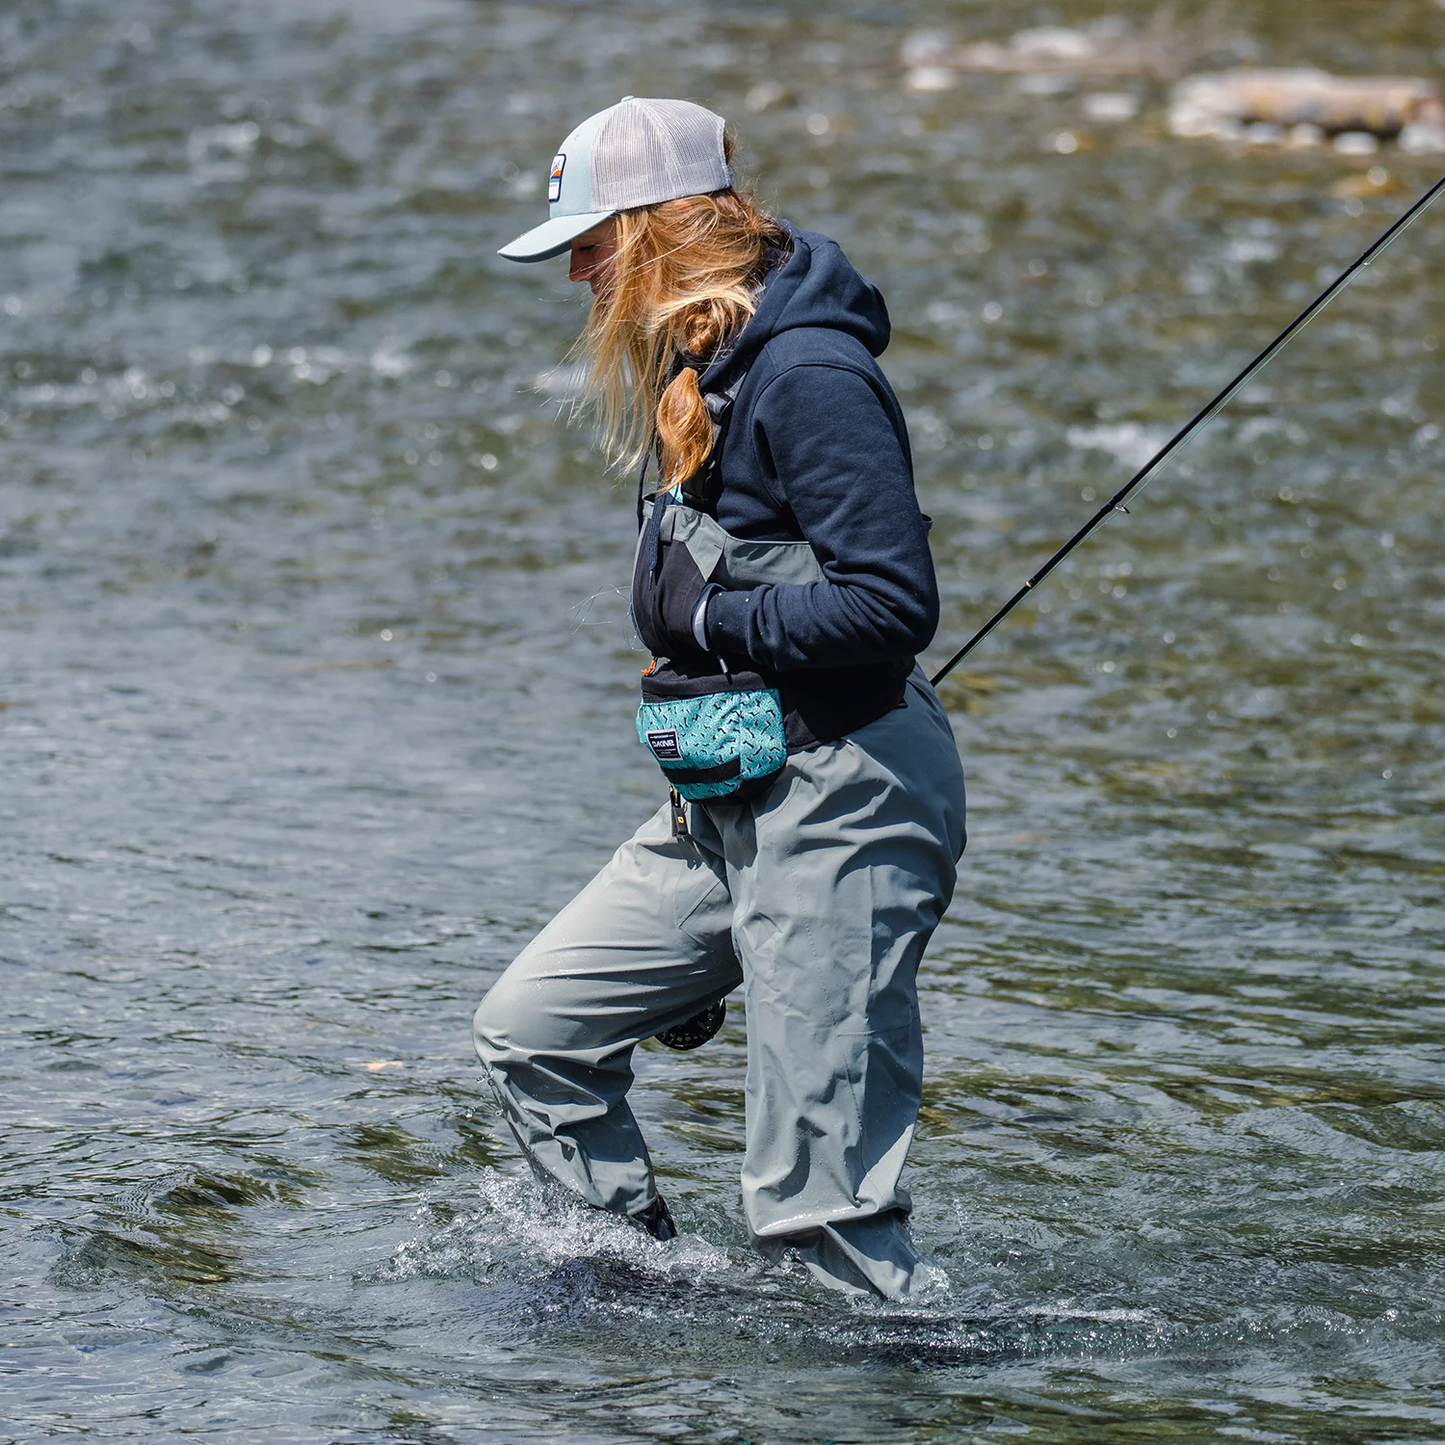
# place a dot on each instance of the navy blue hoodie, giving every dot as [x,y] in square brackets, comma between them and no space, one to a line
[817,450]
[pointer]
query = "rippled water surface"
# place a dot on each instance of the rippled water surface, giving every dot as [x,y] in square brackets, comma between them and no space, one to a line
[315,696]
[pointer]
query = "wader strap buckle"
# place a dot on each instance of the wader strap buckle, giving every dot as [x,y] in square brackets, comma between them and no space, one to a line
[678,809]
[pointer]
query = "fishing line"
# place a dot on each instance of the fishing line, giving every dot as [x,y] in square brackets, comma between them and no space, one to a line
[1117,502]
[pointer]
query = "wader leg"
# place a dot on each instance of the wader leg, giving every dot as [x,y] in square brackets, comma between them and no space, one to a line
[641,948]
[839,877]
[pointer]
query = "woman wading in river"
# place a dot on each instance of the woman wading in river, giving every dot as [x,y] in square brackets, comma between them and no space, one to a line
[784,586]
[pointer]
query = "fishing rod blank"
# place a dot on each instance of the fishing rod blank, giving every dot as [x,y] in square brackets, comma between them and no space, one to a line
[1116,503]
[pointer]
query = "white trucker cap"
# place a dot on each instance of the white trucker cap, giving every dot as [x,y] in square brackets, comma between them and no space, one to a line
[635,153]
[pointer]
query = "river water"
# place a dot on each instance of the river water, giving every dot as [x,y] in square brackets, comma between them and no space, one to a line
[315,699]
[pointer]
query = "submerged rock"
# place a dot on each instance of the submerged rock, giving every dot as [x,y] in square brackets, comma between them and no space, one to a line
[1111,107]
[1423,138]
[1307,107]
[932,60]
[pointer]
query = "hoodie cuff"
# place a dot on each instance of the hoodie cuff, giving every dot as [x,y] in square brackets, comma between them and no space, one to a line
[728,616]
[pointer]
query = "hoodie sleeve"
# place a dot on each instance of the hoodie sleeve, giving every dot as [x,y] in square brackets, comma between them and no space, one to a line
[828,446]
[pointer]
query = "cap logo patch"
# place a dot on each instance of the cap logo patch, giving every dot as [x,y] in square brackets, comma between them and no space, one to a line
[554,181]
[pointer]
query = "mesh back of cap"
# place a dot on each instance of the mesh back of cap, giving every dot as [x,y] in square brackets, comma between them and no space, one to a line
[648,151]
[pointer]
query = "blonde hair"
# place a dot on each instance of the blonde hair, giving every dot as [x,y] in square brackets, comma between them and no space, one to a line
[684,279]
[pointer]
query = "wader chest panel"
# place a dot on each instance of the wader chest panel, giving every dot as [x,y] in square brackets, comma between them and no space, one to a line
[717,735]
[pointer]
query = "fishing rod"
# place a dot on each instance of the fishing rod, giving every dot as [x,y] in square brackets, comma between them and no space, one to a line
[1117,502]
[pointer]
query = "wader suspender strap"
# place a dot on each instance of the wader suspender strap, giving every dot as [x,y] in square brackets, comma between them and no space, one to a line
[642,478]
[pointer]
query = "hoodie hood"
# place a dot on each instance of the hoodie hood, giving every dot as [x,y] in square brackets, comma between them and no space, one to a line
[816,286]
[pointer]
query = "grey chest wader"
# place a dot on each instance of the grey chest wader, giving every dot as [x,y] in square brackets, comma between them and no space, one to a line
[717,733]
[816,899]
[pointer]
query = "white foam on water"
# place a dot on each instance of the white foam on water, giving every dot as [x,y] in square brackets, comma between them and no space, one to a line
[566,1256]
[522,1223]
[1117,1316]
[1129,441]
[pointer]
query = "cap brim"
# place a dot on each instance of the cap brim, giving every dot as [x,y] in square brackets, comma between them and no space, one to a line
[552,237]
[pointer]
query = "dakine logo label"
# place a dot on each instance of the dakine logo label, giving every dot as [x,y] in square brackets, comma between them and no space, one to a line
[664,746]
[554,181]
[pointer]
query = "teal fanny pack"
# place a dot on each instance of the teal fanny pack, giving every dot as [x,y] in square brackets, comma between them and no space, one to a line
[718,737]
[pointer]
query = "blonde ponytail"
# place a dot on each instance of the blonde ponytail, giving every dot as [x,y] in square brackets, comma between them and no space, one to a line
[683,427]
